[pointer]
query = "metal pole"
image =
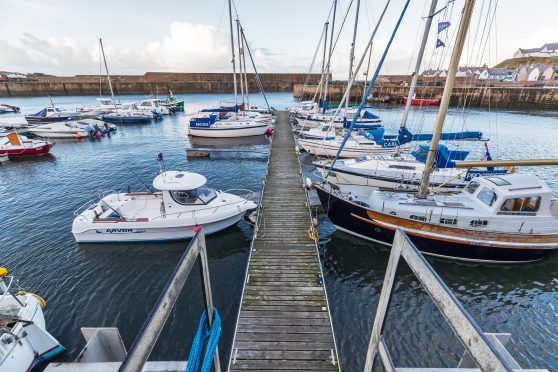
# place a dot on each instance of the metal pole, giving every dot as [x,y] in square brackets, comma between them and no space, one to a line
[320,85]
[352,55]
[444,104]
[151,329]
[258,80]
[419,62]
[240,60]
[232,51]
[108,75]
[330,50]
[207,297]
[243,57]
[506,163]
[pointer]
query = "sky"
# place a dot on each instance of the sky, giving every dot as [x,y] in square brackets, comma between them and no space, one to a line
[61,37]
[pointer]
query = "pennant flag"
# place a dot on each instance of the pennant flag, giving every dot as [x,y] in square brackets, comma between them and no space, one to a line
[442,26]
[440,43]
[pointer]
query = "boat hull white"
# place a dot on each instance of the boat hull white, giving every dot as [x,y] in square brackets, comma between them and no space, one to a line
[322,148]
[109,232]
[232,131]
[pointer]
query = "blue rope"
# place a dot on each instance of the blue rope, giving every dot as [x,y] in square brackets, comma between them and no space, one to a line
[203,333]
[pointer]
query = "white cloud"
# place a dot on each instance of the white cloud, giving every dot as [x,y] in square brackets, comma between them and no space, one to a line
[188,47]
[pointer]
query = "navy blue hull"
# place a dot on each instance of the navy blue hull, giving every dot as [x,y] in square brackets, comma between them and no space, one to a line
[341,212]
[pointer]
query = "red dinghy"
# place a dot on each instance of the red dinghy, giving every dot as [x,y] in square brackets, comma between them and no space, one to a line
[15,145]
[423,101]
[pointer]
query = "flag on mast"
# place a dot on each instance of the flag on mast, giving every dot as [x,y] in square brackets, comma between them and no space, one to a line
[440,43]
[442,26]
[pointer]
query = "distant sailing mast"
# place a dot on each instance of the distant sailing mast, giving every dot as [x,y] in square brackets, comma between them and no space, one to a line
[233,56]
[108,75]
[444,104]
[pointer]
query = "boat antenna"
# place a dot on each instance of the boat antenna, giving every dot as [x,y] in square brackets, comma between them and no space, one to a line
[140,179]
[51,103]
[444,104]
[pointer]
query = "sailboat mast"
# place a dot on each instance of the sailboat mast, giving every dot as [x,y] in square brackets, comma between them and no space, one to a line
[352,55]
[320,85]
[240,59]
[444,104]
[330,50]
[232,51]
[108,75]
[419,62]
[243,57]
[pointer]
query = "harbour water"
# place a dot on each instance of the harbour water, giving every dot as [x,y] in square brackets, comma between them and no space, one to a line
[117,284]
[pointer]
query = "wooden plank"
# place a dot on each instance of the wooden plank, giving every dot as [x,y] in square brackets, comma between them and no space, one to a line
[283,322]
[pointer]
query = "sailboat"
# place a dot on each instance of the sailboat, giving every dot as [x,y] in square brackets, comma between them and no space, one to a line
[226,121]
[401,171]
[498,219]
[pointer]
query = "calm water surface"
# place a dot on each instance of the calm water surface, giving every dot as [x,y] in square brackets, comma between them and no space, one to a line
[115,285]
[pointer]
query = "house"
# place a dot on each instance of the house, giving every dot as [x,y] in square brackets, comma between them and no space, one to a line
[502,74]
[547,50]
[534,73]
[550,73]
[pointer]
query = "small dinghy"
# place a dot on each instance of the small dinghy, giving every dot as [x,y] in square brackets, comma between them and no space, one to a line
[182,205]
[24,340]
[15,145]
[4,108]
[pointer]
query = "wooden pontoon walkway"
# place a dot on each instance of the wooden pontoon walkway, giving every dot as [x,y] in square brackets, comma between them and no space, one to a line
[284,321]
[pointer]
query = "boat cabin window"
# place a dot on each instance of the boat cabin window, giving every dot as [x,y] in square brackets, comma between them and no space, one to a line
[472,187]
[202,195]
[326,128]
[404,167]
[487,196]
[527,204]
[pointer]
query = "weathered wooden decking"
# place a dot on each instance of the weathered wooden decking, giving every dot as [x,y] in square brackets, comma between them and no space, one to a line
[284,321]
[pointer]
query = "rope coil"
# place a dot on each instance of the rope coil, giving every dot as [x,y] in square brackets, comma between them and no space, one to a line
[204,332]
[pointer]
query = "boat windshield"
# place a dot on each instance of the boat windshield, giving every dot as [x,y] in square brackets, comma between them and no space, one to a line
[487,196]
[202,195]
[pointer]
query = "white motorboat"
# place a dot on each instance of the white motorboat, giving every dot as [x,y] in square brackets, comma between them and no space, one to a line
[153,105]
[108,104]
[402,172]
[182,205]
[69,129]
[304,108]
[324,131]
[211,126]
[356,146]
[24,340]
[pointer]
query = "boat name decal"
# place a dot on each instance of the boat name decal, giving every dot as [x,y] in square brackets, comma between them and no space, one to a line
[119,231]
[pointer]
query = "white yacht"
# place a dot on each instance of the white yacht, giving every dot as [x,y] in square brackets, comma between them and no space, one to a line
[68,129]
[236,126]
[181,206]
[356,146]
[24,340]
[153,105]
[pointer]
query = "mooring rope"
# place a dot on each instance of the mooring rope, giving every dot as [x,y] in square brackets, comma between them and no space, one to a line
[203,333]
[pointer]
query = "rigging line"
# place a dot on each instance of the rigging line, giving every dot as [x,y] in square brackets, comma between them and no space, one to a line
[312,64]
[258,81]
[370,85]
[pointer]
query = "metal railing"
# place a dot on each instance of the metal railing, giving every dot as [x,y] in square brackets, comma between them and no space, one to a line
[149,332]
[486,352]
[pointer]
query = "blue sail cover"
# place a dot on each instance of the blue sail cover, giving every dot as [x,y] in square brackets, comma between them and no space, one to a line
[368,115]
[41,113]
[203,122]
[444,158]
[405,136]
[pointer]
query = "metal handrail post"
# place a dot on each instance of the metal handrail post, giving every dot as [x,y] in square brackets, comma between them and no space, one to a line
[208,298]
[151,329]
